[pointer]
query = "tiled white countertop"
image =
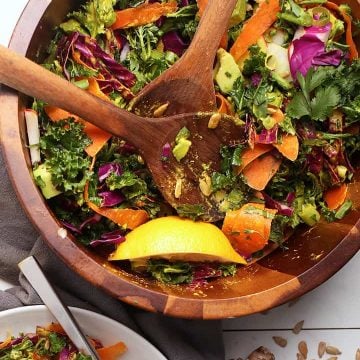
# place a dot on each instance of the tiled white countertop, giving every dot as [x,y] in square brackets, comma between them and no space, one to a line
[331,313]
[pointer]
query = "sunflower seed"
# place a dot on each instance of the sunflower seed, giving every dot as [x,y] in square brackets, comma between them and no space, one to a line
[333,358]
[332,350]
[158,112]
[303,349]
[357,356]
[280,341]
[214,121]
[298,327]
[321,349]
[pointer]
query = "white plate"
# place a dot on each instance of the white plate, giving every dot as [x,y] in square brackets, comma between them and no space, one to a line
[108,331]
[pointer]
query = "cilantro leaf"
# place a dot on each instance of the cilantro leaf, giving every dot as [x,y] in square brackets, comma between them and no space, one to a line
[324,102]
[298,106]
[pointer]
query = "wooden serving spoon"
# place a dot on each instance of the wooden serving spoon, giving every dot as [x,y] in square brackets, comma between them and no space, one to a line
[188,86]
[184,184]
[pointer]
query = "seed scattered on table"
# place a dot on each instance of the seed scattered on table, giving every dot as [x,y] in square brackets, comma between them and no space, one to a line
[357,356]
[261,353]
[321,349]
[333,358]
[303,349]
[300,357]
[332,350]
[279,340]
[298,327]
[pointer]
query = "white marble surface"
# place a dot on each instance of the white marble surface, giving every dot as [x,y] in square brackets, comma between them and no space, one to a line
[331,312]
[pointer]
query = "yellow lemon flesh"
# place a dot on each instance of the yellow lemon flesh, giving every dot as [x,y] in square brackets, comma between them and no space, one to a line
[177,239]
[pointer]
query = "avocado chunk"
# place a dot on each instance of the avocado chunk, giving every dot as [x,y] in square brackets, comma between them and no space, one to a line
[42,178]
[239,13]
[309,214]
[181,148]
[227,71]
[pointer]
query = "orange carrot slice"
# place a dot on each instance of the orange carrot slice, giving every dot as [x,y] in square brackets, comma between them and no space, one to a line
[223,104]
[278,116]
[128,218]
[260,171]
[289,146]
[142,14]
[250,154]
[335,196]
[55,327]
[6,342]
[349,38]
[256,26]
[112,352]
[248,228]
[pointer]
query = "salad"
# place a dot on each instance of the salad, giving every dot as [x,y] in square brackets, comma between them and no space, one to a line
[51,342]
[287,71]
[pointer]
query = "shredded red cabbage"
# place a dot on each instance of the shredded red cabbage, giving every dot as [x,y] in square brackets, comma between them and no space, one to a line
[108,169]
[256,79]
[282,208]
[111,198]
[115,240]
[174,42]
[268,136]
[315,161]
[166,152]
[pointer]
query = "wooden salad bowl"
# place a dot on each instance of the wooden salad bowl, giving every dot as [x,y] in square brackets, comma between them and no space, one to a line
[313,255]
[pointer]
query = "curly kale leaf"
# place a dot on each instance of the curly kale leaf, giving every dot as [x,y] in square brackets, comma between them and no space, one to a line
[62,146]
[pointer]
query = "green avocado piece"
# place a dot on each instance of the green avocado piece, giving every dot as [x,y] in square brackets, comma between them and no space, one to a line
[181,148]
[227,71]
[309,214]
[43,179]
[239,13]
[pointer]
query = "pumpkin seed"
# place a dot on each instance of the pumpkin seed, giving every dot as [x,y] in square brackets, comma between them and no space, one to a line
[158,112]
[280,341]
[321,349]
[214,121]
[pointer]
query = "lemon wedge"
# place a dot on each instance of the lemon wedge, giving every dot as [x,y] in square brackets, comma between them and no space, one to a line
[177,239]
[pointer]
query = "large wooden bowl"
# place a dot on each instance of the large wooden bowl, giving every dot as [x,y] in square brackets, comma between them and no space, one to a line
[313,255]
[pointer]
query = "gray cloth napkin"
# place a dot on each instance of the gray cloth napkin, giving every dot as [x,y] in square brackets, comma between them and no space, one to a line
[177,339]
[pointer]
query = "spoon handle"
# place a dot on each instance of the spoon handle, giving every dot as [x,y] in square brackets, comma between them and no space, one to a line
[32,79]
[212,27]
[33,272]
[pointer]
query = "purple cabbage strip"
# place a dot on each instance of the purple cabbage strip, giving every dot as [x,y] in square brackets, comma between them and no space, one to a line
[315,161]
[282,208]
[112,234]
[256,79]
[108,169]
[268,136]
[109,241]
[333,57]
[94,219]
[290,198]
[166,152]
[63,50]
[205,272]
[71,227]
[333,174]
[65,354]
[173,42]
[111,198]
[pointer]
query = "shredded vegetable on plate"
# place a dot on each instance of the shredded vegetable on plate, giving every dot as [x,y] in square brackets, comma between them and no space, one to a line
[51,342]
[287,71]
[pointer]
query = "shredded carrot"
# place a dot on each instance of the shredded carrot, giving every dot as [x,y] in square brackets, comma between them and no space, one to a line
[250,154]
[112,352]
[260,171]
[248,228]
[128,218]
[349,38]
[55,327]
[289,146]
[335,196]
[143,14]
[98,136]
[256,26]
[223,105]
[6,342]
[278,116]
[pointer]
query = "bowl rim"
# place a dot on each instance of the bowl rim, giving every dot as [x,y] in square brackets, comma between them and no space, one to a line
[97,272]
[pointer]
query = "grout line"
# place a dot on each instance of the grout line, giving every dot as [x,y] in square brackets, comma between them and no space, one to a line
[290,329]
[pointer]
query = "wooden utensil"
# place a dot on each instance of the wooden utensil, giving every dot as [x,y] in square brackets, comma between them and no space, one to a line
[188,85]
[179,182]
